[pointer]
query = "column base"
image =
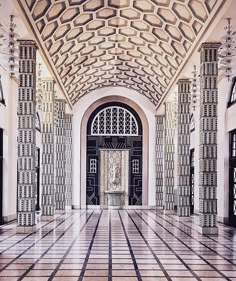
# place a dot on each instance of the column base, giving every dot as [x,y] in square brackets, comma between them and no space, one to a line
[47,218]
[68,208]
[208,230]
[159,207]
[60,211]
[169,212]
[184,219]
[26,229]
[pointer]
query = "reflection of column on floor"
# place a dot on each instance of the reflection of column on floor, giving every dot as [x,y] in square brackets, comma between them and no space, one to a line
[47,131]
[60,160]
[26,189]
[68,167]
[159,160]
[183,150]
[169,153]
[208,139]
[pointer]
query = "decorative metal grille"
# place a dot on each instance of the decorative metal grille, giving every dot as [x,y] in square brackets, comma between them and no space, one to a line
[234,187]
[93,166]
[233,151]
[135,166]
[233,92]
[114,120]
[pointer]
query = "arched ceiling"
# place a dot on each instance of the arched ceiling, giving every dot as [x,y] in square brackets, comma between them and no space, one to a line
[139,44]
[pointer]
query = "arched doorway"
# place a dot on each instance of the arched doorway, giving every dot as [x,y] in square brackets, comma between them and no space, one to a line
[114,156]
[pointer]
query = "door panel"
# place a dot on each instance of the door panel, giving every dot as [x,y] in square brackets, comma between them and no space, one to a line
[92,196]
[1,174]
[232,179]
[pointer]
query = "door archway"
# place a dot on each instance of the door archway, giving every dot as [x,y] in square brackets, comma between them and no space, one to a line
[83,143]
[114,129]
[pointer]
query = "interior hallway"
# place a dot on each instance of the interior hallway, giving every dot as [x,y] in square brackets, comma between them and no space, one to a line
[124,245]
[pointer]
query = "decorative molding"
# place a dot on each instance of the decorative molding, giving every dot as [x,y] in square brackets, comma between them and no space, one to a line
[60,160]
[26,189]
[169,157]
[208,138]
[159,160]
[47,174]
[183,148]
[69,159]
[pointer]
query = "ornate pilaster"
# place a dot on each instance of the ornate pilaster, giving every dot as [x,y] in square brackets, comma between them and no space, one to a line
[60,160]
[183,156]
[68,167]
[169,154]
[47,130]
[159,160]
[26,186]
[208,139]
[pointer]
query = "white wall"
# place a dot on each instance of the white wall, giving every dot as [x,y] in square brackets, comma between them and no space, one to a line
[223,152]
[8,121]
[79,192]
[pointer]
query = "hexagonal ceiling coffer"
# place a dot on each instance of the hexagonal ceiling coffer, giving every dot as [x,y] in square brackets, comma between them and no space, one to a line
[55,11]
[40,9]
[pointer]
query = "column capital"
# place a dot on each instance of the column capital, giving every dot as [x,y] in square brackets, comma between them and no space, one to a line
[184,81]
[209,45]
[28,42]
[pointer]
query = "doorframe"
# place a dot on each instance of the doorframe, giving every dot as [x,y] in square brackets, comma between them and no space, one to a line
[83,147]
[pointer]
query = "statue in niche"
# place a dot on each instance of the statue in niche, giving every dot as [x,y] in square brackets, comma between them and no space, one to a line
[116,177]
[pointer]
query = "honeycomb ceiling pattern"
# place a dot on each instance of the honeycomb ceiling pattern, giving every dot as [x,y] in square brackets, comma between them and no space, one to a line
[139,44]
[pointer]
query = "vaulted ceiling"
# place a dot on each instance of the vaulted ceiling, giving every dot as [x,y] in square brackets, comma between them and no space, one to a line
[139,44]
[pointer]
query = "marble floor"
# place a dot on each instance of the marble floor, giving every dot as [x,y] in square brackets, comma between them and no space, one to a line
[131,245]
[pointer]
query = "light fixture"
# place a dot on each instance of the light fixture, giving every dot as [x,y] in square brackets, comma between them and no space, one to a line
[227,51]
[10,53]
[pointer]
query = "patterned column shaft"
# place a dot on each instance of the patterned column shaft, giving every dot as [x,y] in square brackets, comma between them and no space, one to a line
[208,139]
[183,156]
[26,190]
[60,160]
[169,153]
[68,131]
[47,174]
[159,160]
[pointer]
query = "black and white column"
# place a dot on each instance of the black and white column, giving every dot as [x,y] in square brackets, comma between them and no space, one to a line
[47,130]
[208,139]
[159,160]
[183,149]
[26,186]
[68,167]
[169,157]
[60,160]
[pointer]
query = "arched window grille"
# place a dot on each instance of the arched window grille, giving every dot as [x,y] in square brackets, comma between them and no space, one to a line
[114,120]
[232,99]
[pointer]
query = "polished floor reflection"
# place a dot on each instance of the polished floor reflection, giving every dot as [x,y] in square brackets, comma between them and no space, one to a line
[117,245]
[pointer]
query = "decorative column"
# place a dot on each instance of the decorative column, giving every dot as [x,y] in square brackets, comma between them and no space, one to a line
[183,143]
[169,154]
[159,160]
[208,139]
[60,160]
[47,130]
[26,184]
[68,167]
